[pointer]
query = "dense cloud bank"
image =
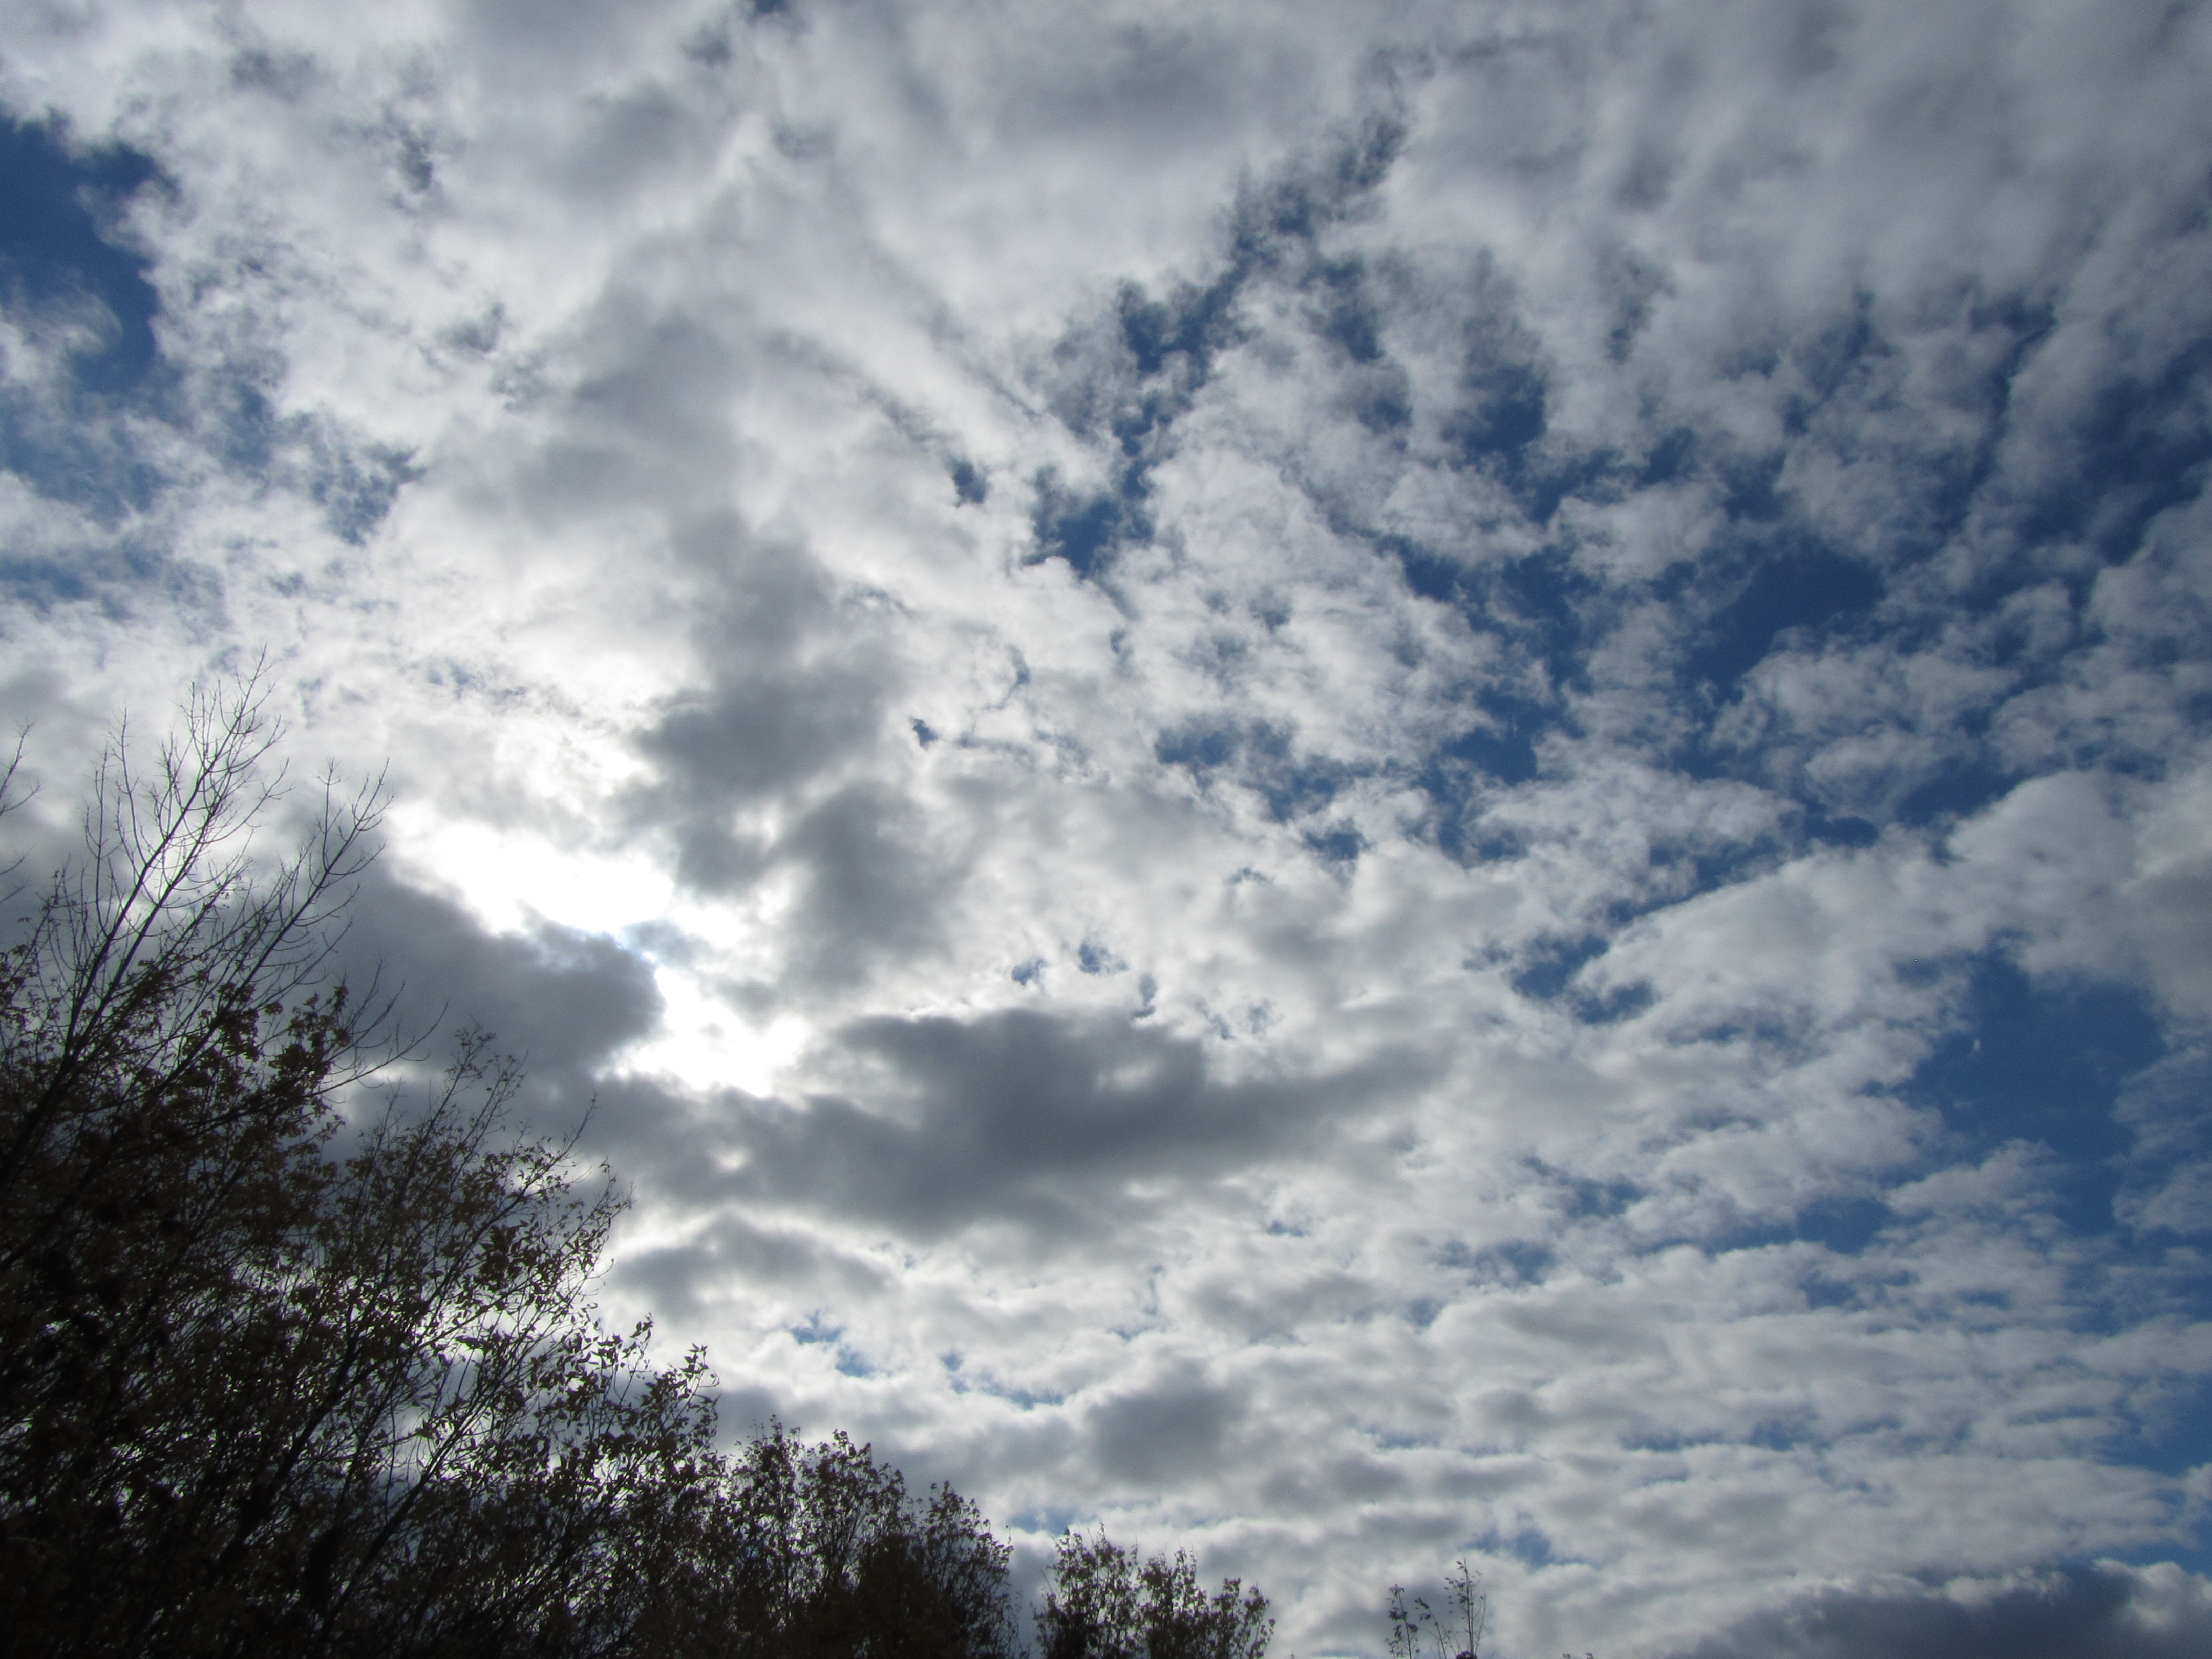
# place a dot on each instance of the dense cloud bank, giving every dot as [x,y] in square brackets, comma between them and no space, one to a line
[1364,783]
[2082,1612]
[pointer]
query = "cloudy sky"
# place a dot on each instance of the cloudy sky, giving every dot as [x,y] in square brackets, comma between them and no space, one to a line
[1351,782]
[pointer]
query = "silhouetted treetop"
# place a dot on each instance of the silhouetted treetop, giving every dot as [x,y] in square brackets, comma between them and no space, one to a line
[264,1394]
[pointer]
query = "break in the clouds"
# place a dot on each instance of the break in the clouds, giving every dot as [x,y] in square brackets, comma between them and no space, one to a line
[1357,783]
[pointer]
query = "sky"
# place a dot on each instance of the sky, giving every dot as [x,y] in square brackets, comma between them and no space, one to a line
[1354,784]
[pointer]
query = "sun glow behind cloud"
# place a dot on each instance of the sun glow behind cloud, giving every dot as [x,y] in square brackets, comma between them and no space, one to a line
[508,878]
[514,882]
[702,1044]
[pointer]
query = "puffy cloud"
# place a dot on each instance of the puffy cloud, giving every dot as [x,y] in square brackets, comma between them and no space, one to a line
[1367,784]
[2108,1608]
[1026,1116]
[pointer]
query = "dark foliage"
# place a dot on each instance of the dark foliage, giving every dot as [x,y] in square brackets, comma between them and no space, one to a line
[1106,1604]
[254,1395]
[807,1551]
[265,1392]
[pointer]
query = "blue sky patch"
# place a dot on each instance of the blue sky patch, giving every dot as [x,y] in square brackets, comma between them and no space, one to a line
[58,243]
[1809,592]
[2047,1063]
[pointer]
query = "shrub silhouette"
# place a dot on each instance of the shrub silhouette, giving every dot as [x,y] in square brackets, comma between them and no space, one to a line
[1453,1631]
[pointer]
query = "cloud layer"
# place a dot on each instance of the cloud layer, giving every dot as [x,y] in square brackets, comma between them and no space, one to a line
[1359,783]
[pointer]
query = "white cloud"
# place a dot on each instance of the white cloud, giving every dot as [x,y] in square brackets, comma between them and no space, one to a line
[1276,761]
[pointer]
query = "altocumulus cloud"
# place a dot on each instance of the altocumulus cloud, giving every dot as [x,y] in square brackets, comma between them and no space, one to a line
[1020,1116]
[2083,1613]
[1360,784]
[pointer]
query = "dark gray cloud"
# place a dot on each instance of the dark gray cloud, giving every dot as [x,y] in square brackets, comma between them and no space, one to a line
[798,688]
[676,1281]
[1156,1436]
[560,1000]
[803,672]
[873,885]
[1040,1119]
[2102,1611]
[645,421]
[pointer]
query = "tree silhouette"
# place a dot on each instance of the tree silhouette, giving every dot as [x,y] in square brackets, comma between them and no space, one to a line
[1105,1603]
[819,1550]
[252,1393]
[259,1393]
